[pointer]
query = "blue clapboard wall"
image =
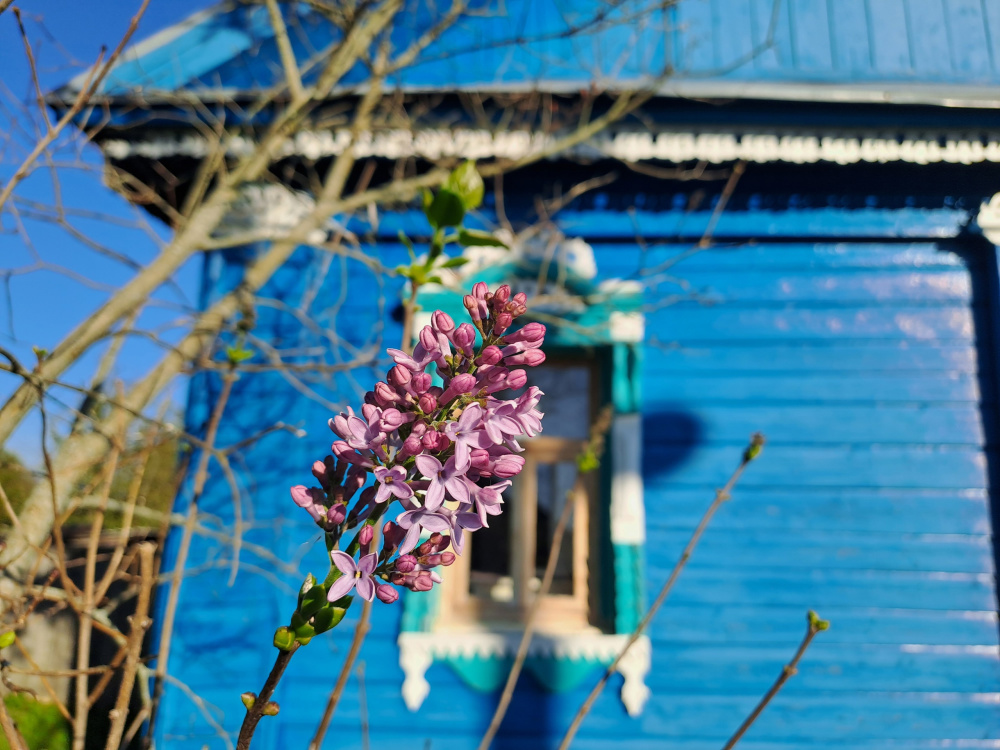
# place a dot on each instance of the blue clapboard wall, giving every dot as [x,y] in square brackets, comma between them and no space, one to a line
[868,364]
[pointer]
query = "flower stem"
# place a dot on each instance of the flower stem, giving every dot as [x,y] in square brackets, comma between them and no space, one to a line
[263,699]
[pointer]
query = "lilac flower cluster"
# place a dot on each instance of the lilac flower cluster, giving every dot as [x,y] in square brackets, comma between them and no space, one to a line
[445,452]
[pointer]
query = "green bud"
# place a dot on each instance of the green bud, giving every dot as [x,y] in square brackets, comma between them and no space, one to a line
[817,624]
[753,450]
[283,639]
[7,639]
[465,182]
[271,709]
[248,699]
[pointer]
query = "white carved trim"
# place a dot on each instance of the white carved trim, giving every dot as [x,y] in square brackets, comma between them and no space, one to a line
[989,219]
[628,512]
[627,327]
[417,651]
[268,211]
[716,148]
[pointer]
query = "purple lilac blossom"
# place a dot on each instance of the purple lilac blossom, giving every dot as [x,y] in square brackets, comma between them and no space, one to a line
[444,452]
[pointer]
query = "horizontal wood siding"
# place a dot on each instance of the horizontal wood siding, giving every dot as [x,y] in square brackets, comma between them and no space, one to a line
[869,504]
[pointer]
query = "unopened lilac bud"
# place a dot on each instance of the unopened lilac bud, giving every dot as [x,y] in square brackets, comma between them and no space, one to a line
[411,447]
[340,427]
[305,496]
[391,419]
[533,333]
[489,356]
[406,563]
[428,340]
[460,385]
[365,536]
[500,296]
[336,514]
[442,321]
[319,471]
[480,290]
[355,481]
[423,581]
[368,411]
[385,394]
[435,543]
[419,428]
[530,358]
[399,376]
[335,469]
[393,534]
[502,323]
[508,466]
[447,558]
[472,305]
[427,403]
[480,458]
[386,594]
[421,382]
[465,338]
[517,379]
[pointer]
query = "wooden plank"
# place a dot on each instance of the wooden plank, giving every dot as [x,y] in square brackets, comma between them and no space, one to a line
[811,36]
[927,467]
[890,42]
[777,52]
[688,323]
[845,286]
[929,37]
[767,390]
[967,32]
[789,511]
[830,549]
[706,423]
[696,49]
[851,34]
[928,359]
[735,53]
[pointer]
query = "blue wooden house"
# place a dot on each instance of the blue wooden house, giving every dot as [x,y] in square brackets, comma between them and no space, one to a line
[845,302]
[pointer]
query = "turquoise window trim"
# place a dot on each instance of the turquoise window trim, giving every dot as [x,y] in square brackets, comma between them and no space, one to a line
[594,325]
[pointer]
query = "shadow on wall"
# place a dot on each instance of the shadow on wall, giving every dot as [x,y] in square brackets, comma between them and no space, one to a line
[537,718]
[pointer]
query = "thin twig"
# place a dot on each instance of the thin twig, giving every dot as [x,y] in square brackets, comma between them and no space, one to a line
[140,622]
[595,448]
[190,522]
[360,631]
[363,700]
[813,626]
[752,451]
[10,730]
[262,702]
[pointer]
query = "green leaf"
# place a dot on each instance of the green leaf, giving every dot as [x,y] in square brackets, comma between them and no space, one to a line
[7,639]
[313,601]
[476,238]
[407,244]
[447,209]
[466,183]
[454,262]
[815,623]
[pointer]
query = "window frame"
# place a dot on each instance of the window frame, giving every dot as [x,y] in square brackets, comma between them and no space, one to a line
[460,610]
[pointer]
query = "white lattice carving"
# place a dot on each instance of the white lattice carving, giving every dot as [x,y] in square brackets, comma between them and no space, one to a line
[716,148]
[417,651]
[269,211]
[989,219]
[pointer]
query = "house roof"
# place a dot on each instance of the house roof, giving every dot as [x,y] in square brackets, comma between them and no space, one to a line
[942,52]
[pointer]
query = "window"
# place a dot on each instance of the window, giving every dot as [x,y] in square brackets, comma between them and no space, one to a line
[494,584]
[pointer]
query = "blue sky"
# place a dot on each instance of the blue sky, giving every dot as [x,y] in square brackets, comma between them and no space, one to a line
[40,307]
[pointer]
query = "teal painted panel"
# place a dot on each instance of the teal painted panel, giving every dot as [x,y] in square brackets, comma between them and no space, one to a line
[852,51]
